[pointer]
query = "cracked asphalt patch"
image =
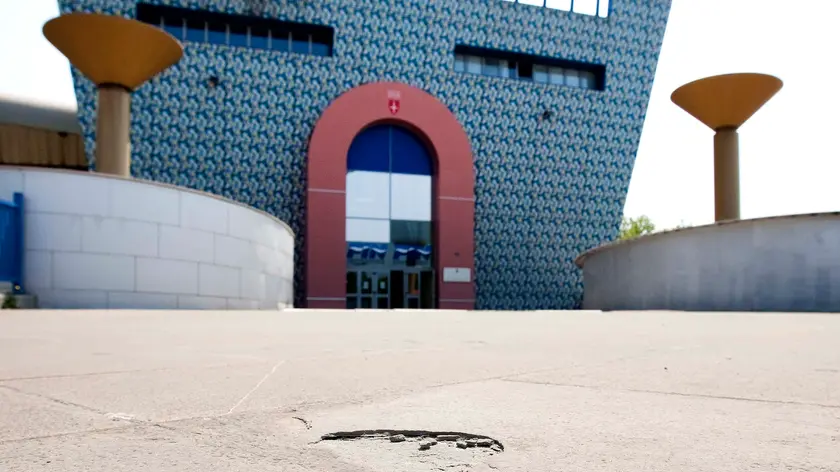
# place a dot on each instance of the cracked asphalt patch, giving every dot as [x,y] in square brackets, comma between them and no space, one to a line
[416,450]
[410,455]
[252,391]
[400,435]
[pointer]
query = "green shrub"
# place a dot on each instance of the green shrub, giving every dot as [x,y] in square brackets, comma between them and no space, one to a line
[9,302]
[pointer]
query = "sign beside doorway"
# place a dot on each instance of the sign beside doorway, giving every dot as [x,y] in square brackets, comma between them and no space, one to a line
[457,274]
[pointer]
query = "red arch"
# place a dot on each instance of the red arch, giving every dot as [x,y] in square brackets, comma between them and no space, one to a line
[454,184]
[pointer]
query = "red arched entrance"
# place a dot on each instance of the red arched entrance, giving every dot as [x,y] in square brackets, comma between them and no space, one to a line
[453,189]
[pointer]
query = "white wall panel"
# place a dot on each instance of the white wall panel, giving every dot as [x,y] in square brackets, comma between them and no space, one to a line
[252,285]
[82,271]
[186,244]
[38,273]
[166,276]
[53,232]
[119,236]
[215,280]
[367,194]
[411,197]
[368,231]
[144,202]
[201,303]
[201,212]
[72,299]
[142,301]
[66,193]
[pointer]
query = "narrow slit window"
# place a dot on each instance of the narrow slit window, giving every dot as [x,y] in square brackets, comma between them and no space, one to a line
[209,27]
[541,70]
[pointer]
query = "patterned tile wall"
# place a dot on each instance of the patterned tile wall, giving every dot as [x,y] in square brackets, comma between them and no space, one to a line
[546,190]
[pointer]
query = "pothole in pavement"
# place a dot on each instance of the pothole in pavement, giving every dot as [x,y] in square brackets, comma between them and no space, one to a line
[424,440]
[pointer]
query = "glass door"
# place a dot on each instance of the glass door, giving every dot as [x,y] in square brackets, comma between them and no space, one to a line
[412,289]
[419,289]
[352,290]
[367,289]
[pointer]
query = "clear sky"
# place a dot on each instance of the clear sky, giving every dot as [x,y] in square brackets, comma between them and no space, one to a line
[789,152]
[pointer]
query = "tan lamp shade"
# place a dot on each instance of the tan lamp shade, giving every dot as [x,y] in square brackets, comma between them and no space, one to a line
[726,101]
[112,50]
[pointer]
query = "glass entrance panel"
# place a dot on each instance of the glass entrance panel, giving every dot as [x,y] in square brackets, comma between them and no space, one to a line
[389,222]
[412,290]
[427,290]
[382,292]
[418,289]
[367,283]
[366,298]
[352,290]
[412,284]
[379,289]
[368,289]
[397,295]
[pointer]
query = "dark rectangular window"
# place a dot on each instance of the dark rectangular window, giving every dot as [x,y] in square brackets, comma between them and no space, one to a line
[319,49]
[217,32]
[200,26]
[539,69]
[413,233]
[173,26]
[260,37]
[238,36]
[196,30]
[280,40]
[300,43]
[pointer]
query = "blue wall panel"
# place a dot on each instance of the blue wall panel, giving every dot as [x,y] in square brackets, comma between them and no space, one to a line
[389,148]
[408,154]
[546,190]
[370,150]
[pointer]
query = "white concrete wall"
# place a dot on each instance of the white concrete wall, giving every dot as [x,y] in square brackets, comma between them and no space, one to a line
[97,241]
[784,264]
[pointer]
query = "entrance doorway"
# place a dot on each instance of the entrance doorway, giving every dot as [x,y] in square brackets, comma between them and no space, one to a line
[390,289]
[329,163]
[389,221]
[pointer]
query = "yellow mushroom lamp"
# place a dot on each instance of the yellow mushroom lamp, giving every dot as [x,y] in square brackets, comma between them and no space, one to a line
[724,103]
[118,55]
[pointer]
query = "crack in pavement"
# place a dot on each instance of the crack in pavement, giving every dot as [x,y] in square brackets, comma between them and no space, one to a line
[256,387]
[306,423]
[128,371]
[53,400]
[678,394]
[62,435]
[508,376]
[250,360]
[131,421]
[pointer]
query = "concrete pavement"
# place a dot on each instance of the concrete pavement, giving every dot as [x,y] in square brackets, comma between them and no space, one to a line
[644,391]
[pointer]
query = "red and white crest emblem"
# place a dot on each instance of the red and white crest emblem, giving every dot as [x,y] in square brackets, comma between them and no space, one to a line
[393,102]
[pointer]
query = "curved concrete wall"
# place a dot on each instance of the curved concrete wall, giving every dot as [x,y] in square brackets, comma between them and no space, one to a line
[789,263]
[98,241]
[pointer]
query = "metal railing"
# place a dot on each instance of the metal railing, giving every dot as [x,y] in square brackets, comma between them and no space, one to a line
[11,242]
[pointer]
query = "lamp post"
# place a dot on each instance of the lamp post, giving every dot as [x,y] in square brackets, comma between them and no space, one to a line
[724,103]
[118,55]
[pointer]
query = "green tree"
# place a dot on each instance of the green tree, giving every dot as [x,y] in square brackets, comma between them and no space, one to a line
[635,227]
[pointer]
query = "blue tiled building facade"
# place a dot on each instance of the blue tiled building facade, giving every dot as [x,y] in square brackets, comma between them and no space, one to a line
[552,162]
